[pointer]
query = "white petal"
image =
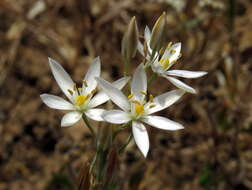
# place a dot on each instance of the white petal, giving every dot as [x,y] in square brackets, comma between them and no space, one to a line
[120,83]
[115,95]
[141,137]
[139,83]
[56,102]
[162,123]
[164,100]
[147,33]
[116,117]
[93,71]
[95,114]
[70,118]
[180,84]
[62,78]
[168,54]
[186,74]
[140,48]
[101,97]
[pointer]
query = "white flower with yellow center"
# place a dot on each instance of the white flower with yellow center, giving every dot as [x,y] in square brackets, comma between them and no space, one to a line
[137,110]
[162,64]
[82,100]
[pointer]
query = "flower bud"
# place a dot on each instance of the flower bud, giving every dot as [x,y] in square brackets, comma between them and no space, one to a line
[130,40]
[158,33]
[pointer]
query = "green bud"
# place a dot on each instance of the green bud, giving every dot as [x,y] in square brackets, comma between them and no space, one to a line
[130,40]
[158,33]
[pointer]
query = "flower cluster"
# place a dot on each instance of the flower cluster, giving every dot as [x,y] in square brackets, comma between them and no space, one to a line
[137,106]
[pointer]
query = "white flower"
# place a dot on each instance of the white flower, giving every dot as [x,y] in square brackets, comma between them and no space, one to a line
[135,109]
[162,64]
[82,100]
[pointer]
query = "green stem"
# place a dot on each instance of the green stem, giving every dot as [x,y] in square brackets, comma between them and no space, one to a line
[122,148]
[120,129]
[152,78]
[84,117]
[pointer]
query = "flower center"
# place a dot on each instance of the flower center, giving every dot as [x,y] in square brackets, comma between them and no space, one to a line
[139,108]
[164,63]
[80,100]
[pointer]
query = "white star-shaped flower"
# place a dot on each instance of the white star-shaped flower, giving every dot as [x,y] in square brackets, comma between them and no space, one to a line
[162,64]
[82,100]
[137,110]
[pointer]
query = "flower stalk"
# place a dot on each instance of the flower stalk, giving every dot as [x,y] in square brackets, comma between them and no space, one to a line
[84,117]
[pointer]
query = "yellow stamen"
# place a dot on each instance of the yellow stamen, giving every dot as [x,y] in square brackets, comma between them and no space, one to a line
[85,83]
[80,100]
[169,45]
[74,87]
[151,98]
[162,50]
[93,91]
[143,92]
[130,96]
[136,102]
[152,105]
[139,109]
[166,64]
[172,51]
[70,91]
[161,61]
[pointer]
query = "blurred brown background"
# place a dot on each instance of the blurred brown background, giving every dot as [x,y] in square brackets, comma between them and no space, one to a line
[215,149]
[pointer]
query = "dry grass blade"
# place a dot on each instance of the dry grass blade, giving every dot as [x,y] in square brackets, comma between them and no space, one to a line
[84,178]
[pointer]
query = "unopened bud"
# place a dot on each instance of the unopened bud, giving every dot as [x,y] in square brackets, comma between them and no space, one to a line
[158,33]
[130,40]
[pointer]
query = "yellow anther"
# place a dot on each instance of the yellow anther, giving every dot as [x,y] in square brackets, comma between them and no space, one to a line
[162,50]
[74,87]
[161,61]
[152,105]
[93,91]
[80,100]
[151,98]
[166,64]
[139,109]
[169,45]
[172,51]
[70,91]
[130,96]
[136,102]
[85,83]
[143,92]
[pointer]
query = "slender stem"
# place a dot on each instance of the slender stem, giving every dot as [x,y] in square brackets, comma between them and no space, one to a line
[93,162]
[84,117]
[152,78]
[122,148]
[124,126]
